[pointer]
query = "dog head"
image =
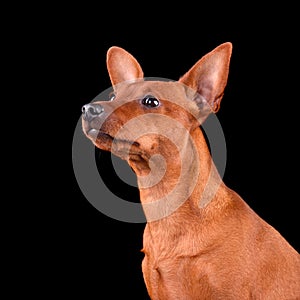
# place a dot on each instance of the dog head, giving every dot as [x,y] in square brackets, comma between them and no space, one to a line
[142,114]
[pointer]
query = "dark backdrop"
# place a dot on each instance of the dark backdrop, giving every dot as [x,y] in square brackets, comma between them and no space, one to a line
[94,254]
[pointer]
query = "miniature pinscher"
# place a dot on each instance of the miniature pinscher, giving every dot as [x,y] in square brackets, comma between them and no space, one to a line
[201,239]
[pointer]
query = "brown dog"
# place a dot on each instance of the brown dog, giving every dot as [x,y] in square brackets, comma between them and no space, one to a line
[201,240]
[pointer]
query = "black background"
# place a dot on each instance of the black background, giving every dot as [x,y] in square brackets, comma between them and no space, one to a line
[84,252]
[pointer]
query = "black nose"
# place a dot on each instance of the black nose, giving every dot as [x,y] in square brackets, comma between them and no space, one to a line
[90,111]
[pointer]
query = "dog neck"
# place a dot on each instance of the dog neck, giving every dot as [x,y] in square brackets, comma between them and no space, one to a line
[179,179]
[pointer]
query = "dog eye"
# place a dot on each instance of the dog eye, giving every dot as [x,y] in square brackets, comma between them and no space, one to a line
[111,96]
[150,101]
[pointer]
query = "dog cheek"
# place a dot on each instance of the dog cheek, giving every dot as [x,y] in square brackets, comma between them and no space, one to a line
[111,126]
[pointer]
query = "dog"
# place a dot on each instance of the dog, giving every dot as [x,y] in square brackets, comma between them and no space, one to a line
[201,239]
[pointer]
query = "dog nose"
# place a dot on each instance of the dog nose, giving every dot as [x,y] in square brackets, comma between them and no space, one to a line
[90,111]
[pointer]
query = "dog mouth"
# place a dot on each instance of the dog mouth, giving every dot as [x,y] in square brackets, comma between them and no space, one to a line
[107,142]
[99,135]
[95,133]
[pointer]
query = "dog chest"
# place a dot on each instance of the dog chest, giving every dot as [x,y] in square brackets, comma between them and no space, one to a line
[179,278]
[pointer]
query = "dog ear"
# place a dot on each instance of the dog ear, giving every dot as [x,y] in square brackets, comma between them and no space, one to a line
[209,76]
[122,66]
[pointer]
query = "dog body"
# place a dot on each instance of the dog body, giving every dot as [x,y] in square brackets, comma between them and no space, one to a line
[201,240]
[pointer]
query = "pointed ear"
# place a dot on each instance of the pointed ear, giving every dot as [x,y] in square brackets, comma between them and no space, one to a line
[122,66]
[209,76]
